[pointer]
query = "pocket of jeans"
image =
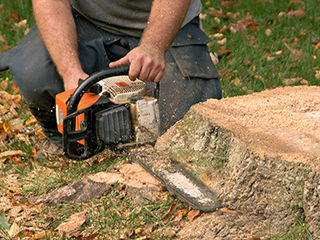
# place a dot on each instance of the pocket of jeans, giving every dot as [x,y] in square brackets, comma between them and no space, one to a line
[191,53]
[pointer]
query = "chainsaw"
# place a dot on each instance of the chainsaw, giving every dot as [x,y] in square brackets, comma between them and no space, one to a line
[108,109]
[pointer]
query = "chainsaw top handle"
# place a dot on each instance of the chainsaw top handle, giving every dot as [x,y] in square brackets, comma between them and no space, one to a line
[90,81]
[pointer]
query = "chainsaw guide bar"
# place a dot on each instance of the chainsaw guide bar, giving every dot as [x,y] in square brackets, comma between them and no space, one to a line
[176,179]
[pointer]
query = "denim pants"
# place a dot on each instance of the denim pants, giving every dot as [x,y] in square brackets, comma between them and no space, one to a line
[190,76]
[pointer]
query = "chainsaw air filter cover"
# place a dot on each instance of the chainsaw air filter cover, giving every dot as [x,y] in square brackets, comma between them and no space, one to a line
[114,125]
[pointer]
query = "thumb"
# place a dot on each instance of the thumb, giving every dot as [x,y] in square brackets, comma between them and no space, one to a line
[120,62]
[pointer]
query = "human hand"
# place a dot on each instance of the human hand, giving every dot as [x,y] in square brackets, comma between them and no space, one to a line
[146,63]
[71,80]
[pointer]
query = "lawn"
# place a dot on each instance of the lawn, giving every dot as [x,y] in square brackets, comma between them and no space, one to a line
[262,44]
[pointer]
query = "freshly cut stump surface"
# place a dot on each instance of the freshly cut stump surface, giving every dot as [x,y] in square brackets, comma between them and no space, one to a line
[261,154]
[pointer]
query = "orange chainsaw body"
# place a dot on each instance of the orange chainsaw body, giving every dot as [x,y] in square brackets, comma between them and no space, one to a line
[62,100]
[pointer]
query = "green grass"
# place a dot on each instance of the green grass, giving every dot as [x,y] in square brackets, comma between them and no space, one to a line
[298,231]
[249,49]
[247,69]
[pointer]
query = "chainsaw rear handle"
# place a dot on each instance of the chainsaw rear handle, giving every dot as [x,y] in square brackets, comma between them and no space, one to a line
[90,81]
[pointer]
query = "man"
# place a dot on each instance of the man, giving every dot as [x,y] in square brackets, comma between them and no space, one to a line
[159,39]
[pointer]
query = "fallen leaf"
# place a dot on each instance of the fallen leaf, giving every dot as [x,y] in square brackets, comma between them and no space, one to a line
[292,81]
[2,39]
[222,41]
[179,215]
[12,153]
[28,233]
[193,214]
[217,13]
[22,23]
[317,46]
[236,81]
[15,16]
[73,223]
[42,235]
[227,4]
[297,55]
[268,32]
[140,231]
[278,52]
[297,13]
[206,179]
[169,212]
[202,16]
[247,62]
[317,75]
[217,20]
[281,15]
[14,230]
[259,78]
[218,35]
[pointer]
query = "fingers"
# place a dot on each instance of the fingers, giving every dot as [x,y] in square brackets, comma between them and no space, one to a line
[120,62]
[143,65]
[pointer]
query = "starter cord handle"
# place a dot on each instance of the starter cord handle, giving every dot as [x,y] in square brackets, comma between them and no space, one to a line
[90,81]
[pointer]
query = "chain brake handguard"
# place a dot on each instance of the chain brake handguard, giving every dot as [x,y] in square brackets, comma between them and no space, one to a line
[71,137]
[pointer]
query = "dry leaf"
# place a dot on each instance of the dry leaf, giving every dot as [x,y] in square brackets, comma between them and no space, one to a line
[317,46]
[22,23]
[259,78]
[236,81]
[317,75]
[15,16]
[14,230]
[217,13]
[169,212]
[227,4]
[193,214]
[179,215]
[12,153]
[278,52]
[2,39]
[218,35]
[41,235]
[297,13]
[297,55]
[206,180]
[14,192]
[292,81]
[73,223]
[202,16]
[247,62]
[31,120]
[217,20]
[222,41]
[268,32]
[281,15]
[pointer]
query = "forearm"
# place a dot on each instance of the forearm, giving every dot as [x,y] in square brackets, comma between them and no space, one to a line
[58,31]
[147,60]
[164,23]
